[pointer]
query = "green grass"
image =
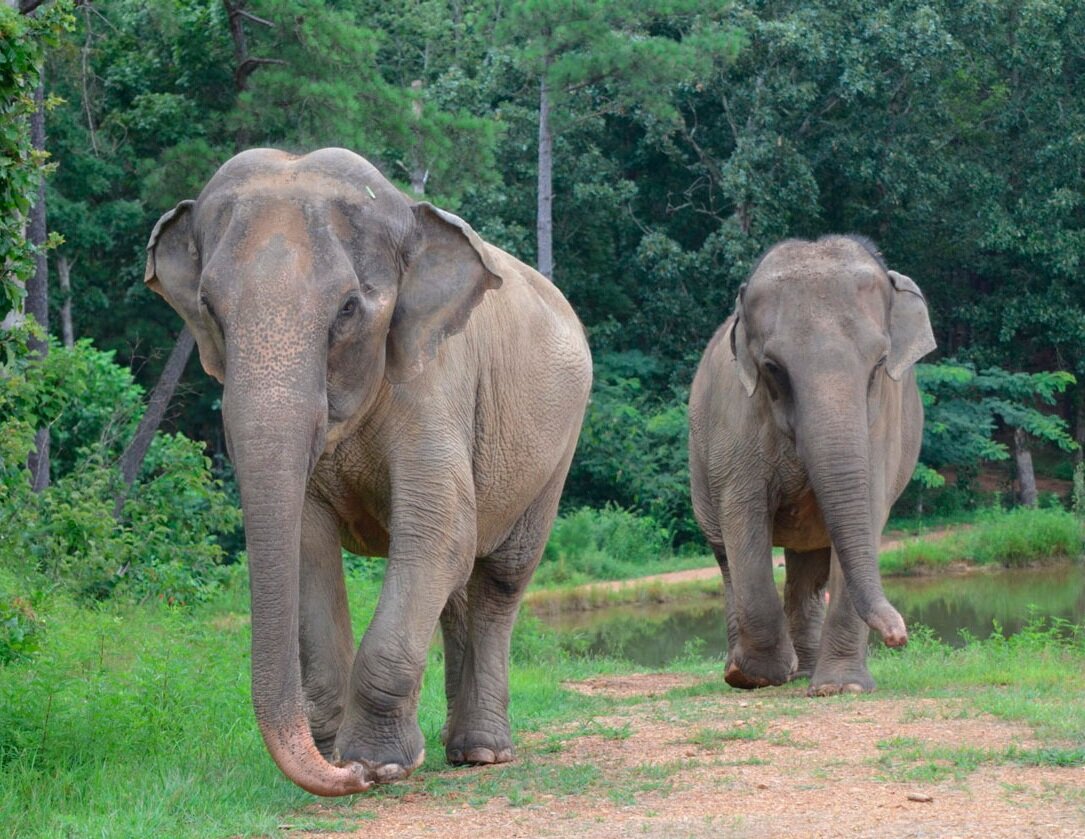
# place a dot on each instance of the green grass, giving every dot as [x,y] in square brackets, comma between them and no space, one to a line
[1011,538]
[712,738]
[137,722]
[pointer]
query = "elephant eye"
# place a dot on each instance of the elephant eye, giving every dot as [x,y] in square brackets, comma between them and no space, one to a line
[776,378]
[348,308]
[205,301]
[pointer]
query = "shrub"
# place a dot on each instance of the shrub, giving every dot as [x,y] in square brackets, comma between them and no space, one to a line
[1010,538]
[21,628]
[633,449]
[610,543]
[165,546]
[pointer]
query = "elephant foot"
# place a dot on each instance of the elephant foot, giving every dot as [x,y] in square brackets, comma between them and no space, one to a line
[843,680]
[384,773]
[836,690]
[887,622]
[747,671]
[387,758]
[478,748]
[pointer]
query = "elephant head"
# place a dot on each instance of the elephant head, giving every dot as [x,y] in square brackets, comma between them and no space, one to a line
[310,283]
[820,328]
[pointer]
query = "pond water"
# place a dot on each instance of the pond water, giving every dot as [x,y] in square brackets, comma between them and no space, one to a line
[656,634]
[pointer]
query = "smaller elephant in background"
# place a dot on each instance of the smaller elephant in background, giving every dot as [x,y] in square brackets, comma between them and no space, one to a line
[805,427]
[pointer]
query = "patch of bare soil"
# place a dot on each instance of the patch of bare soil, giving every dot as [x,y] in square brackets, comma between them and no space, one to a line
[889,542]
[736,764]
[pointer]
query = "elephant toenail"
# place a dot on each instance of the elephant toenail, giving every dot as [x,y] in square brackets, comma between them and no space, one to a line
[390,772]
[481,754]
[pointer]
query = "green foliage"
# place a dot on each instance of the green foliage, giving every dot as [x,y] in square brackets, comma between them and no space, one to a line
[610,543]
[1078,494]
[964,408]
[633,448]
[1016,537]
[21,627]
[81,395]
[22,42]
[634,56]
[66,536]
[122,703]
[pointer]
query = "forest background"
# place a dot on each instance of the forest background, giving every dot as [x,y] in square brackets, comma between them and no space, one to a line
[641,154]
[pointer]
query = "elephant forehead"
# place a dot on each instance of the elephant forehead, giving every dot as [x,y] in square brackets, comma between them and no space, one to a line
[307,218]
[812,285]
[297,184]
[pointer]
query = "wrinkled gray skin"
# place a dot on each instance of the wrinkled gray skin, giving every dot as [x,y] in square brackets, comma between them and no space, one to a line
[394,385]
[805,426]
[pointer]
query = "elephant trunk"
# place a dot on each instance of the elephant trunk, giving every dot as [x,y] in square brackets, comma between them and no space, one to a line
[833,442]
[275,440]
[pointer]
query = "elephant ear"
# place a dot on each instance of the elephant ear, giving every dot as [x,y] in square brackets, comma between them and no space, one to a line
[447,274]
[910,333]
[173,271]
[740,347]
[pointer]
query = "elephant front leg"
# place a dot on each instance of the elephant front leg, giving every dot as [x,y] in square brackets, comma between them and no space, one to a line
[380,726]
[759,652]
[804,603]
[841,664]
[326,640]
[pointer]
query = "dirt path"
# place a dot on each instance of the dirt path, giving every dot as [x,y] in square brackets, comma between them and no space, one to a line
[731,764]
[710,761]
[889,542]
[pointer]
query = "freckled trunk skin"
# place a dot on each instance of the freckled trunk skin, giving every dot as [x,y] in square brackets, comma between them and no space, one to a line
[273,466]
[834,445]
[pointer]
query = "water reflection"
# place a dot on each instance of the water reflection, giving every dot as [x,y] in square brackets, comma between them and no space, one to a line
[657,634]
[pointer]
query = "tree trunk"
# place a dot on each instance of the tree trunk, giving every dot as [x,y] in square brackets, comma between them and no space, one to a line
[244,63]
[64,276]
[419,172]
[37,290]
[545,222]
[159,400]
[1026,477]
[1079,424]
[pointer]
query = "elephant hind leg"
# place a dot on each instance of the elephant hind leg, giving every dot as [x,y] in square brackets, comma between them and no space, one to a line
[454,636]
[478,729]
[804,603]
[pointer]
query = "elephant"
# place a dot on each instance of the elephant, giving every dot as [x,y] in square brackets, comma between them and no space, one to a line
[395,386]
[805,424]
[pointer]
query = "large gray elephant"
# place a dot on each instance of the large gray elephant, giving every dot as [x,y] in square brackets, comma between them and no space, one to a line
[805,426]
[394,385]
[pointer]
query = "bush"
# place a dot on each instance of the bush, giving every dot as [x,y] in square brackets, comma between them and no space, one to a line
[21,628]
[633,449]
[1009,538]
[606,544]
[165,546]
[1023,535]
